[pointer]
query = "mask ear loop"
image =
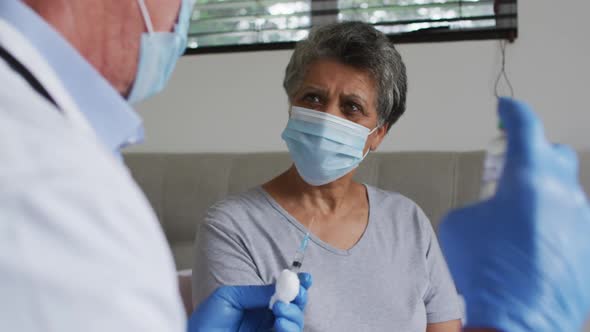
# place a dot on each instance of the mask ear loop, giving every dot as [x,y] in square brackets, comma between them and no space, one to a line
[374,130]
[146,16]
[369,134]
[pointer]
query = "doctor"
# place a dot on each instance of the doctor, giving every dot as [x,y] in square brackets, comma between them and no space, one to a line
[80,248]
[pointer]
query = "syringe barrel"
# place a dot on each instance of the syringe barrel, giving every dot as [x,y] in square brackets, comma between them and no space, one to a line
[295,266]
[298,256]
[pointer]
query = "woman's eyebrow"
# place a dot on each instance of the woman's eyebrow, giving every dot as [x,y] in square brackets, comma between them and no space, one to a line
[355,97]
[315,89]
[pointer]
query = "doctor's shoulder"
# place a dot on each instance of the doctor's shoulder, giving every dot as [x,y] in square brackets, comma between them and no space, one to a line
[34,136]
[41,149]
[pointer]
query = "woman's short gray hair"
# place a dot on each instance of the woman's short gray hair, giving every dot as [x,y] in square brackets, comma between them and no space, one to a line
[359,45]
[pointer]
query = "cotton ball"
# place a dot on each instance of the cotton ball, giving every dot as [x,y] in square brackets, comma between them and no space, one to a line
[286,289]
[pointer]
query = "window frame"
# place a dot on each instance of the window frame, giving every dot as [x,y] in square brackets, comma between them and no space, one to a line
[433,35]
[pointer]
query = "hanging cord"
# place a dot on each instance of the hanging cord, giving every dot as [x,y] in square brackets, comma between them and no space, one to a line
[502,73]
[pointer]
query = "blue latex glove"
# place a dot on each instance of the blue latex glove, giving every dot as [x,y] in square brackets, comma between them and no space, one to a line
[245,308]
[522,258]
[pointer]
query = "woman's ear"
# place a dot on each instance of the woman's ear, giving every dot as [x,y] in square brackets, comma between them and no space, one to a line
[379,135]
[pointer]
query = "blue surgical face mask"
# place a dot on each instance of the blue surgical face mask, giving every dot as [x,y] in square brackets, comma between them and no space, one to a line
[324,147]
[159,52]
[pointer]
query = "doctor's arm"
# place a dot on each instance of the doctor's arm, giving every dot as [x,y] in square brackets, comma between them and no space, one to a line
[520,259]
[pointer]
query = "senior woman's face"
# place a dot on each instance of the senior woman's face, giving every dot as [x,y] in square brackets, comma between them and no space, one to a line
[344,91]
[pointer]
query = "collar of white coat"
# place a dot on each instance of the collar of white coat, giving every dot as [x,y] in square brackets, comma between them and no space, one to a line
[84,96]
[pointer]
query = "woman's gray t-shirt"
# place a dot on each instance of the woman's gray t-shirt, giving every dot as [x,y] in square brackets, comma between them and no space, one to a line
[394,279]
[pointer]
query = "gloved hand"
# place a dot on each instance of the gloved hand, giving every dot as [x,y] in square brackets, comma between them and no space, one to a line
[522,258]
[245,308]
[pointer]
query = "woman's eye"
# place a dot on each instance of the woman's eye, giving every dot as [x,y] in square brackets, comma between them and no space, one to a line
[312,98]
[353,108]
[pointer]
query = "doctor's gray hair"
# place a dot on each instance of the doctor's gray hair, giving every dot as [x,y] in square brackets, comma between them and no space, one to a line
[359,45]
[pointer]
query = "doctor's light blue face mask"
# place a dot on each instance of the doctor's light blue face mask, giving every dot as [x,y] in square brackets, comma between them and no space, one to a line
[324,147]
[159,52]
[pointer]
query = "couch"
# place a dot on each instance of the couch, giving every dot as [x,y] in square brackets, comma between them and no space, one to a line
[181,187]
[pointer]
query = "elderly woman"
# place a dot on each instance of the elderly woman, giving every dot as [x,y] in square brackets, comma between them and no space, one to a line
[376,263]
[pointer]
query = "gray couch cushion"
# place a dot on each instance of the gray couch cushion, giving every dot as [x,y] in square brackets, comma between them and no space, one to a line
[426,178]
[192,183]
[468,177]
[251,170]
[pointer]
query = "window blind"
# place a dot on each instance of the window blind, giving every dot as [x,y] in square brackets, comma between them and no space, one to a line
[234,25]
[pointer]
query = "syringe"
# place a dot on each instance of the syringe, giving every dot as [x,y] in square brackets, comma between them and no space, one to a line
[288,284]
[300,254]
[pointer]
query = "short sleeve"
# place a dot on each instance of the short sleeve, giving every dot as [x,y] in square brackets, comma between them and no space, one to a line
[441,298]
[220,256]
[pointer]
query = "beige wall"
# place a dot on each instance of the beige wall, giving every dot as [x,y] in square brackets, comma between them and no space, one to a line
[235,102]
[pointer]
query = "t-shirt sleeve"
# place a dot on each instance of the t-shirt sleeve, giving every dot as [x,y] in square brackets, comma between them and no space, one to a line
[220,256]
[441,298]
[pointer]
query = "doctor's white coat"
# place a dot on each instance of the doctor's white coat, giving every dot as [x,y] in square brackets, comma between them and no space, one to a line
[80,248]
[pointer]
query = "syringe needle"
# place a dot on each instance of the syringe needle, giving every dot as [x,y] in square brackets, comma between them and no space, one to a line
[310,224]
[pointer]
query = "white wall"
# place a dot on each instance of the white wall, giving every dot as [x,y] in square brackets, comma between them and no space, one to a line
[235,102]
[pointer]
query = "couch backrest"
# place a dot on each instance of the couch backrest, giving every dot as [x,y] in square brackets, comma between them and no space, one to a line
[181,187]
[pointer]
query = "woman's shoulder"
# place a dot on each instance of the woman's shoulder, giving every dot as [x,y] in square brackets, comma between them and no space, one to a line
[397,208]
[240,206]
[390,199]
